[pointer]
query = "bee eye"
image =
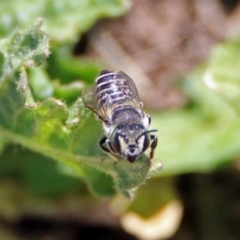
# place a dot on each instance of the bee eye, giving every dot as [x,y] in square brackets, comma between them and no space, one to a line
[116,143]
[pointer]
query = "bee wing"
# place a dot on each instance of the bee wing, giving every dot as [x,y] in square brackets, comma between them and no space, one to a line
[128,88]
[90,101]
[134,100]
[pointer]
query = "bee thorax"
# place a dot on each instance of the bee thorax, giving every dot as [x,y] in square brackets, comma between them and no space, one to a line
[126,114]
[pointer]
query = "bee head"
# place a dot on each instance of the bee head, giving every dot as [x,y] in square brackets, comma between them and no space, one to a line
[130,140]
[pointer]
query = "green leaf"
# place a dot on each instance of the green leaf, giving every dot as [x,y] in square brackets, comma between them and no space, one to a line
[64,19]
[37,173]
[40,83]
[223,77]
[192,142]
[49,127]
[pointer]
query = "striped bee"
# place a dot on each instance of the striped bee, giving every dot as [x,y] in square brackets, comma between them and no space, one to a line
[114,99]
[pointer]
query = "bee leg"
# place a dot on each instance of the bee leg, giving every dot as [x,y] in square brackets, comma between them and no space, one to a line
[108,149]
[101,143]
[153,145]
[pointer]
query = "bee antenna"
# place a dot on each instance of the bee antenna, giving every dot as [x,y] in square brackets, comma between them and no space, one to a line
[155,130]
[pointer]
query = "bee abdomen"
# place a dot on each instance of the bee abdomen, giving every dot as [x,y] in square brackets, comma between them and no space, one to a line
[111,90]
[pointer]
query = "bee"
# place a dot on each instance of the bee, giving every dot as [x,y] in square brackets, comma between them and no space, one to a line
[115,101]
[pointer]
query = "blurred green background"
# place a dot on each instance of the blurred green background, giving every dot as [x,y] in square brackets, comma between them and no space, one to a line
[184,58]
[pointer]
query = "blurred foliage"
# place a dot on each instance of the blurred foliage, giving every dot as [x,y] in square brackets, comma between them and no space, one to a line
[40,109]
[205,134]
[64,20]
